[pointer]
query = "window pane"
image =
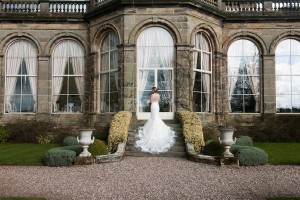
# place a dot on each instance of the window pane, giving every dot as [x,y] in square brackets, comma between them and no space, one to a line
[114,102]
[295,84]
[283,65]
[295,65]
[114,60]
[283,103]
[113,81]
[198,82]
[104,83]
[164,79]
[283,48]
[165,103]
[283,85]
[104,61]
[296,103]
[295,47]
[236,103]
[249,102]
[144,96]
[104,99]
[146,79]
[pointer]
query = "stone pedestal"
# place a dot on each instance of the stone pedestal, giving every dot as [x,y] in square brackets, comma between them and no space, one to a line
[228,161]
[79,160]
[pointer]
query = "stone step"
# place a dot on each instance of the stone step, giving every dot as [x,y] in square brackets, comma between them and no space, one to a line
[179,142]
[144,154]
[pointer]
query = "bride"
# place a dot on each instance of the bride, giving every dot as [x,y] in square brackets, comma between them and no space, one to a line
[155,136]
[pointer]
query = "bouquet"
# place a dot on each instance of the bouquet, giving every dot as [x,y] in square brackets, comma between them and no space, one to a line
[148,102]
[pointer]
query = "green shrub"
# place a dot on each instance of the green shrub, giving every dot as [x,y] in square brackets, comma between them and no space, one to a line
[192,129]
[76,148]
[119,127]
[70,140]
[45,139]
[213,148]
[98,148]
[249,155]
[211,132]
[4,134]
[59,157]
[243,140]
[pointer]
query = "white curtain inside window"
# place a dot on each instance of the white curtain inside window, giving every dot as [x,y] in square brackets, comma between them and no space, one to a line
[67,49]
[108,69]
[202,45]
[155,41]
[16,53]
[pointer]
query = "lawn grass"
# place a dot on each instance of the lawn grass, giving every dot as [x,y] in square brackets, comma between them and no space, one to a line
[24,154]
[281,153]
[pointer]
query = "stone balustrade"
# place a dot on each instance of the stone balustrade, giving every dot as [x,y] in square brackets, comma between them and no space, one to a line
[65,6]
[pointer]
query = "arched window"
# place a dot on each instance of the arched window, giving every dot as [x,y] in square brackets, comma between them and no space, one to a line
[20,77]
[67,77]
[243,77]
[155,63]
[287,64]
[202,74]
[109,73]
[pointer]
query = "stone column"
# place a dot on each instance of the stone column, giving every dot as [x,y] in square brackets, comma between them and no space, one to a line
[2,84]
[44,73]
[183,77]
[269,84]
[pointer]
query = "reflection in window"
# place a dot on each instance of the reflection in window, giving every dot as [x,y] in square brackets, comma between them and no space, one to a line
[287,62]
[68,80]
[202,74]
[109,73]
[20,79]
[243,77]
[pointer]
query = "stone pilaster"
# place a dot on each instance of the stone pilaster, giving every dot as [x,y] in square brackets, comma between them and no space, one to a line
[269,84]
[128,80]
[183,77]
[44,84]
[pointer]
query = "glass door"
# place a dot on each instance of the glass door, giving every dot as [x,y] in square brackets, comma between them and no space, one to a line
[163,80]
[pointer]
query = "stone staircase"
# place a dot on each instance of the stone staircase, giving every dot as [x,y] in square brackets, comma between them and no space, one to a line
[178,150]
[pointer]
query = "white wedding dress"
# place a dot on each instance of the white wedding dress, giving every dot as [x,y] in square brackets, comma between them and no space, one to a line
[155,136]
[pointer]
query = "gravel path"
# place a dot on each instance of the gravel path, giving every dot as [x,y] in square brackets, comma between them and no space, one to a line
[150,178]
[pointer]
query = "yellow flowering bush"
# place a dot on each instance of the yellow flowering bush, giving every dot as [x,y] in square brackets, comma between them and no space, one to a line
[192,129]
[119,126]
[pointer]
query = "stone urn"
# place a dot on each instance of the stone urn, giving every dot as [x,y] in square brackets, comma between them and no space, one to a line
[227,140]
[85,140]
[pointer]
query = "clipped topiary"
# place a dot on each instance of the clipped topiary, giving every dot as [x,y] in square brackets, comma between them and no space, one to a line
[192,129]
[76,148]
[58,157]
[98,148]
[119,126]
[243,140]
[249,155]
[213,148]
[70,140]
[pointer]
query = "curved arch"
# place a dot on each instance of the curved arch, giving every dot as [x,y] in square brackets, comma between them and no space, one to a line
[287,35]
[158,22]
[209,31]
[62,36]
[19,36]
[100,33]
[247,36]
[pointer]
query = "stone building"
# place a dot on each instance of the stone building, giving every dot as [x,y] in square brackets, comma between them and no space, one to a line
[75,62]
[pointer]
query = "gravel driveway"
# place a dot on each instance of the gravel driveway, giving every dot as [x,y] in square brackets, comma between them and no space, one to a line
[150,178]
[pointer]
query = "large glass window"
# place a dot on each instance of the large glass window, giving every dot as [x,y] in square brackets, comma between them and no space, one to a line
[202,74]
[155,62]
[20,79]
[243,77]
[287,63]
[109,73]
[67,77]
